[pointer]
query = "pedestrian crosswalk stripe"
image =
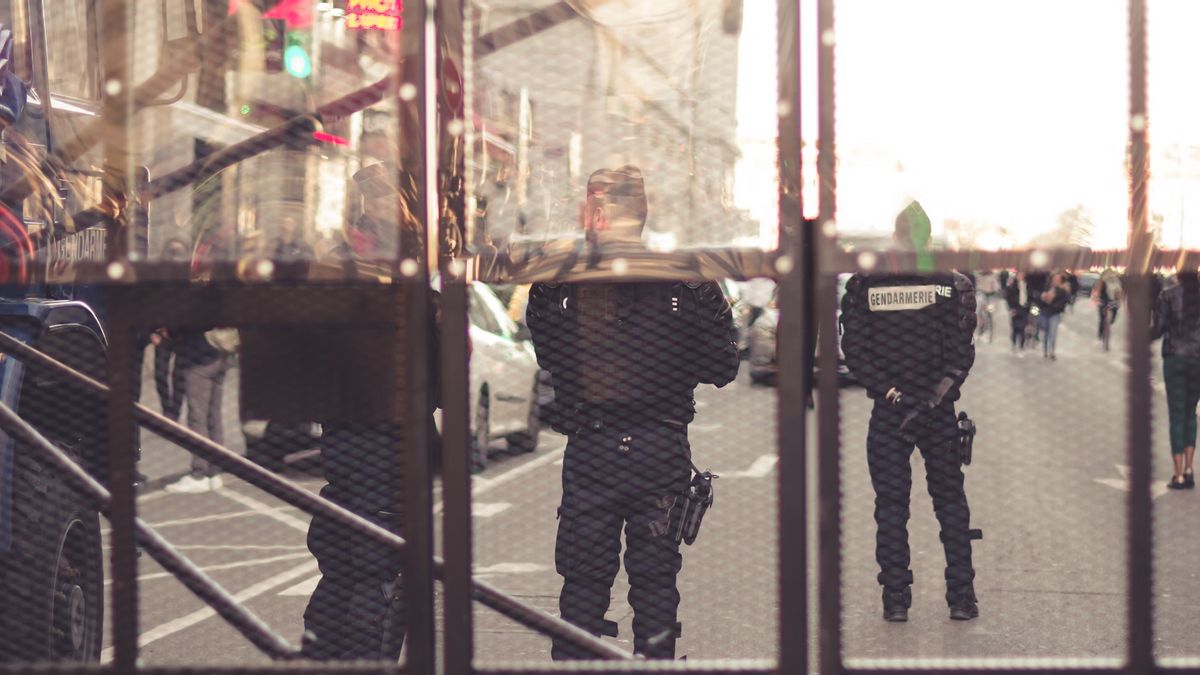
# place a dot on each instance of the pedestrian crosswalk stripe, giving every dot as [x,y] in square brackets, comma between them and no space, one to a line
[488,510]
[308,586]
[304,588]
[759,469]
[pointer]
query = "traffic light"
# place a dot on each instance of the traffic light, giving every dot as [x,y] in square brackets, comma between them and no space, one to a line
[296,59]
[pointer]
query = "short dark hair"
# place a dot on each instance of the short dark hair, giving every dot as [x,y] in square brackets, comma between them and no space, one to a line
[621,191]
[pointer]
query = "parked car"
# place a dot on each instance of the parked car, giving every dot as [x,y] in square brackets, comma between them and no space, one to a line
[506,385]
[764,364]
[507,392]
[1087,280]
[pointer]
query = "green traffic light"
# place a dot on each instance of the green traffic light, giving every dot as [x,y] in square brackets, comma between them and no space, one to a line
[296,61]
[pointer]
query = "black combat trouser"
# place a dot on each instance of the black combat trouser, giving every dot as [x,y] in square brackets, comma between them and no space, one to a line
[357,610]
[888,455]
[622,476]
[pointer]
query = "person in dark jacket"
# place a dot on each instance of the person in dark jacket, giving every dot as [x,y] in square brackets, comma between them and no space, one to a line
[204,369]
[1177,322]
[1016,294]
[909,339]
[1106,295]
[625,360]
[1054,301]
[357,610]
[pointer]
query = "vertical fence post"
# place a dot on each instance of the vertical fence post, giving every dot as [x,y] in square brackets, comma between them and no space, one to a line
[121,467]
[414,334]
[458,626]
[458,629]
[117,96]
[1140,522]
[795,365]
[828,441]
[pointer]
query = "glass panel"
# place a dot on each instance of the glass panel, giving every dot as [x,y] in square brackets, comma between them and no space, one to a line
[581,441]
[265,139]
[71,54]
[1175,151]
[1046,395]
[1007,144]
[683,92]
[1174,157]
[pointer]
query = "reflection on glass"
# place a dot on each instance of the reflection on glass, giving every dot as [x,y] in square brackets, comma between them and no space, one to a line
[244,115]
[683,90]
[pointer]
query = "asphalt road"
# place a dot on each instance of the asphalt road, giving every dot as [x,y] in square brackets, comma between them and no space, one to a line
[1047,487]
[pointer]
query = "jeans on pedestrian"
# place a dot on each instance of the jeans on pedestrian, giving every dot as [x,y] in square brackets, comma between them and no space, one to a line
[1181,375]
[205,383]
[1049,331]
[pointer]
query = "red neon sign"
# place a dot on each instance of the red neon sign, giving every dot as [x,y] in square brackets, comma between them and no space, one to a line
[330,138]
[375,14]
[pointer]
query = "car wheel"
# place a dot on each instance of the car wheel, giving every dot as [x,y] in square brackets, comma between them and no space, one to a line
[482,434]
[52,579]
[526,441]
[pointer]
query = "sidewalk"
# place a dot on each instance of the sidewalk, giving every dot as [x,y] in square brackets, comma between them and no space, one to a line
[163,461]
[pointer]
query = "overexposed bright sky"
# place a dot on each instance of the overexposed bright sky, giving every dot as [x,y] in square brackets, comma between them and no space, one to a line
[998,115]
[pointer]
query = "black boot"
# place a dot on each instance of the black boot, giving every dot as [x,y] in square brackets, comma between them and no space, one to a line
[963,605]
[896,604]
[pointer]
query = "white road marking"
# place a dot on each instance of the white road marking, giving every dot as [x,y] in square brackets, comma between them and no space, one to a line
[703,427]
[511,568]
[224,566]
[761,467]
[303,589]
[488,510]
[195,520]
[184,622]
[480,485]
[308,586]
[265,509]
[1157,489]
[236,547]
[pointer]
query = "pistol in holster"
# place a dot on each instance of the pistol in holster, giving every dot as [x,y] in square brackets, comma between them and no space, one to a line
[696,501]
[966,438]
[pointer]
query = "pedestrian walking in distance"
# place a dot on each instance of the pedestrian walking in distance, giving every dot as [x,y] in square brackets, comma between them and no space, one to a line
[1177,322]
[909,339]
[625,360]
[1016,295]
[1054,303]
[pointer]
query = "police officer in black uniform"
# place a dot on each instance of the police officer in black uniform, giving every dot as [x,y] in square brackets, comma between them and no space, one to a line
[625,360]
[909,340]
[357,609]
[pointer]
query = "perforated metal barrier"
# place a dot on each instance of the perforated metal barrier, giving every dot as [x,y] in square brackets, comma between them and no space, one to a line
[587,336]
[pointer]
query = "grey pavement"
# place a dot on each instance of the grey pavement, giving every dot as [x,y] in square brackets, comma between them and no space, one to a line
[1047,487]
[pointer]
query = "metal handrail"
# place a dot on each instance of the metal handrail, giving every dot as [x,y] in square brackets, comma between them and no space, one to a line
[280,488]
[196,581]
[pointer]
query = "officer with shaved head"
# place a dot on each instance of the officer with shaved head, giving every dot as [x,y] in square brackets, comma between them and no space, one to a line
[625,360]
